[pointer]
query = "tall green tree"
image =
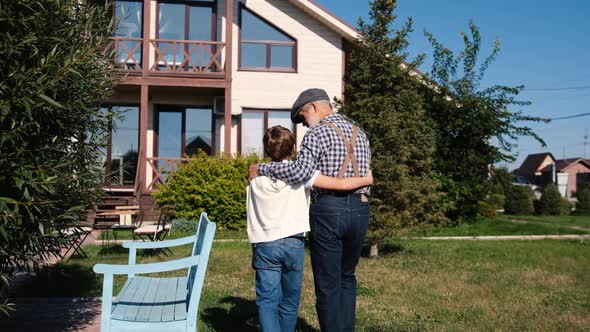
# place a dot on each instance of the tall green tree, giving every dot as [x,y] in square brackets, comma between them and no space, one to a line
[475,125]
[382,95]
[54,76]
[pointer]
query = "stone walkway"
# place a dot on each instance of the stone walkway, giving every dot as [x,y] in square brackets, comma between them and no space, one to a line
[502,237]
[578,228]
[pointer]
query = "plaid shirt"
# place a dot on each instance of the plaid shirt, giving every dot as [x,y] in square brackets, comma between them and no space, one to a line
[324,150]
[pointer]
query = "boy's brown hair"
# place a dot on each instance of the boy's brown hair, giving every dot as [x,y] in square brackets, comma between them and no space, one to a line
[279,143]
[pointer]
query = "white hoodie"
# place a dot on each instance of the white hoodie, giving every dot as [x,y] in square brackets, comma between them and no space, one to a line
[276,210]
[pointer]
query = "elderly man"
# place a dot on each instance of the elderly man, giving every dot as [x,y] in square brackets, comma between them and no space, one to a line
[338,220]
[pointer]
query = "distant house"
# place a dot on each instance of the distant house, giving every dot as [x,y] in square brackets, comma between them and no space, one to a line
[572,169]
[539,170]
[531,168]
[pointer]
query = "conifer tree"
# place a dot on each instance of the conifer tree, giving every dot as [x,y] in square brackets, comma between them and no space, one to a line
[382,95]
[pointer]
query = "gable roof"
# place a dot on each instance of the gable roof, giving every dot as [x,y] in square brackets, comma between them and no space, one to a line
[562,164]
[532,163]
[323,15]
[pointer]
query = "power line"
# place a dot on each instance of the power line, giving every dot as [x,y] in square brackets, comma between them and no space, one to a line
[570,116]
[583,87]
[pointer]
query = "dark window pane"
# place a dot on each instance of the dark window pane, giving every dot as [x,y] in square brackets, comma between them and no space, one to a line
[281,56]
[171,20]
[129,16]
[124,143]
[169,134]
[253,28]
[198,130]
[200,23]
[253,55]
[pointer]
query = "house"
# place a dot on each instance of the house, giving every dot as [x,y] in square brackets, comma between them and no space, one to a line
[531,167]
[542,169]
[212,75]
[573,170]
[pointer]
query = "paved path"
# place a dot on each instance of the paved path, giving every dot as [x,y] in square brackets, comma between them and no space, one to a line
[502,237]
[578,228]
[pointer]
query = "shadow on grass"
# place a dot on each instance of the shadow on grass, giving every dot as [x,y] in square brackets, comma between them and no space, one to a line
[242,315]
[60,280]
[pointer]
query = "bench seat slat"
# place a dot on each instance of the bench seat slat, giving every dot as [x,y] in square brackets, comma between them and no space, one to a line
[170,300]
[126,294]
[164,287]
[131,308]
[181,299]
[144,312]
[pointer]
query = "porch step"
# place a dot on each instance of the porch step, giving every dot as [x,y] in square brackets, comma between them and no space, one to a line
[107,204]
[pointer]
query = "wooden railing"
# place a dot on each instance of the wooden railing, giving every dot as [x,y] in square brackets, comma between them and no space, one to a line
[161,171]
[189,57]
[126,53]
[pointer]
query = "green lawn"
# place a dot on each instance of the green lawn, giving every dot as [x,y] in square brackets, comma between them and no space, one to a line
[580,221]
[416,285]
[496,226]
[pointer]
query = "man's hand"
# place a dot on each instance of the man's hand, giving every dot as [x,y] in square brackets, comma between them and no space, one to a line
[252,172]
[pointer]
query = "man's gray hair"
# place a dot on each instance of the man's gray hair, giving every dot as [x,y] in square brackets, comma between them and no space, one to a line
[321,102]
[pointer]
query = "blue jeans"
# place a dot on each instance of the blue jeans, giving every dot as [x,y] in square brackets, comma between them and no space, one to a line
[279,273]
[338,228]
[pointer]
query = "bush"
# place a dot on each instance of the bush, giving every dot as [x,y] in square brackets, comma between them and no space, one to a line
[492,203]
[519,201]
[216,185]
[550,202]
[183,225]
[566,207]
[583,205]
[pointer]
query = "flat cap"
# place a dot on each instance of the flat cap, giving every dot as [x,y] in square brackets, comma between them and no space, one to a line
[305,97]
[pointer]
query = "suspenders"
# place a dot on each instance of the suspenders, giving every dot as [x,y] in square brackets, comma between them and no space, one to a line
[350,157]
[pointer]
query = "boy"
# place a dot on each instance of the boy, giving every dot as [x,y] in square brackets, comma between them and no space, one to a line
[278,217]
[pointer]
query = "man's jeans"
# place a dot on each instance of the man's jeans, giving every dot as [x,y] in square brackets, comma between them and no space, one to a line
[279,273]
[338,228]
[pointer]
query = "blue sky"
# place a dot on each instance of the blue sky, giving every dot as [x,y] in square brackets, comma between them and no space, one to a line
[545,47]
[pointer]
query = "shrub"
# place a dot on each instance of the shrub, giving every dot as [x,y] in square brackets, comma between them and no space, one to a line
[184,225]
[583,205]
[492,203]
[519,201]
[550,202]
[566,207]
[216,185]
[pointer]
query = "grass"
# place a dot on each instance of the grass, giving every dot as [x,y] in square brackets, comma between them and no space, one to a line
[579,221]
[175,234]
[496,226]
[416,285]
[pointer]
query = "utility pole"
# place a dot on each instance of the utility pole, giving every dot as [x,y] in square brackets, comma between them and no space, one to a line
[586,144]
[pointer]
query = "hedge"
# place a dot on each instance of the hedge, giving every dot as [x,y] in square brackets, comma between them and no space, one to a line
[216,185]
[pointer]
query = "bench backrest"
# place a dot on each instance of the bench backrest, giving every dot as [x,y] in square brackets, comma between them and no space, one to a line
[196,274]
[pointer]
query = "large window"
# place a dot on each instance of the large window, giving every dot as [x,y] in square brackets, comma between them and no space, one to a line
[129,18]
[263,46]
[122,151]
[255,123]
[180,23]
[184,130]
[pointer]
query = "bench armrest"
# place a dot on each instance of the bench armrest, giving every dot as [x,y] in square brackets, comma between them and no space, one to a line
[160,244]
[111,269]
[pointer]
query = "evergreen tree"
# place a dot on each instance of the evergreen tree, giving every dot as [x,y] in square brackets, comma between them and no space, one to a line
[468,118]
[583,204]
[550,202]
[519,201]
[382,96]
[54,77]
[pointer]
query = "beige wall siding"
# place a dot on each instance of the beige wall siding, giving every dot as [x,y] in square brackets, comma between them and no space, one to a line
[319,61]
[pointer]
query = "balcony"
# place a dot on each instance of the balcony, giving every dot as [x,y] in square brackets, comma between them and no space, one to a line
[165,57]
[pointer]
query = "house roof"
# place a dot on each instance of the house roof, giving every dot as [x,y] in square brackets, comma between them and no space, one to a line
[323,15]
[563,164]
[532,163]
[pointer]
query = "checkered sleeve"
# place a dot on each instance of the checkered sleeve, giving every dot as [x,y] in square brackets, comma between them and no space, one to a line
[302,169]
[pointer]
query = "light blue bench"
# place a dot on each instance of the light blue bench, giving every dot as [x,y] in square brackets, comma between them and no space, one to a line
[157,304]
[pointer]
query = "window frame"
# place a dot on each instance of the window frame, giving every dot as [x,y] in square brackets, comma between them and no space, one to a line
[159,108]
[109,147]
[265,112]
[269,43]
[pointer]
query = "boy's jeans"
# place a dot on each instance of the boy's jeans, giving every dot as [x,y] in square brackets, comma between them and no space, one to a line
[279,273]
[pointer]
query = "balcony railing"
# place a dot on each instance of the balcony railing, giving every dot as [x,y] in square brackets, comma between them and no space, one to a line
[186,57]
